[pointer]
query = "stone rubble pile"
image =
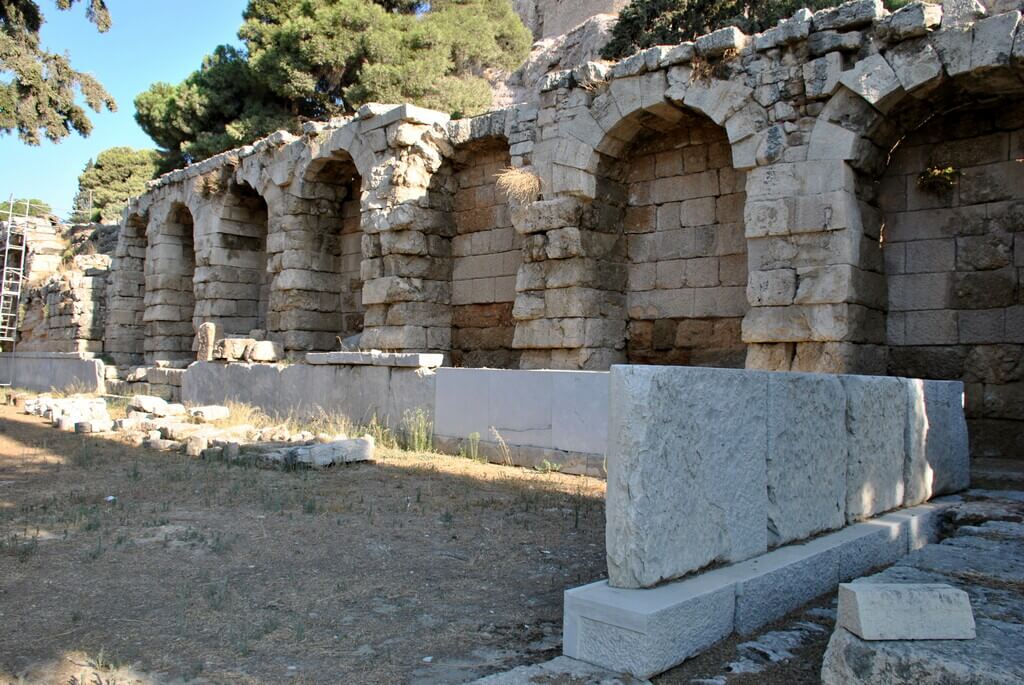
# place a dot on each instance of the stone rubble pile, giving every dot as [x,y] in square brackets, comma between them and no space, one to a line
[155,423]
[79,414]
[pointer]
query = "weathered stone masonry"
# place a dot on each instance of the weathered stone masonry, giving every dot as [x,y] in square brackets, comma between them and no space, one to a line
[740,200]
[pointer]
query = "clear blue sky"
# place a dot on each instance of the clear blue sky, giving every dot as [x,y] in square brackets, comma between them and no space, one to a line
[150,40]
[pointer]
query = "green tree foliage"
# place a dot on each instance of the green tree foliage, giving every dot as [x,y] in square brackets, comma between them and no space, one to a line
[222,105]
[644,23]
[35,208]
[333,55]
[313,59]
[105,184]
[38,88]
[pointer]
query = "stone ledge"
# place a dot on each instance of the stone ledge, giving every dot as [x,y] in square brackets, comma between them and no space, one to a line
[645,632]
[377,358]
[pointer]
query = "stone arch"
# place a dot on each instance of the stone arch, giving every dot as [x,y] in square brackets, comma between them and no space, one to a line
[316,255]
[953,262]
[125,330]
[170,297]
[947,259]
[668,180]
[231,281]
[572,308]
[485,253]
[613,280]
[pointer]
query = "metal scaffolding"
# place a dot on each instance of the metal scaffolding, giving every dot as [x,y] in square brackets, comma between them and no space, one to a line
[12,277]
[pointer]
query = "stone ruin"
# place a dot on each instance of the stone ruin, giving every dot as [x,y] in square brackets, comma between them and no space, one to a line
[842,193]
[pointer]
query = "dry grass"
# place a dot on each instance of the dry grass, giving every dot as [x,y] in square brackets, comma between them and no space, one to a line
[520,185]
[203,571]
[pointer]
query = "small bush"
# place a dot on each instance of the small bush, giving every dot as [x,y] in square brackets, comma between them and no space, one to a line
[938,180]
[520,185]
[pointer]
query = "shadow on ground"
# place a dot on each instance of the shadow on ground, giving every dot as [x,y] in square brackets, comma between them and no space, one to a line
[417,568]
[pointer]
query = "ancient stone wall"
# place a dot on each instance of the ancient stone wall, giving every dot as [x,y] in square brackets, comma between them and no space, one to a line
[126,288]
[685,248]
[486,255]
[63,307]
[659,177]
[953,198]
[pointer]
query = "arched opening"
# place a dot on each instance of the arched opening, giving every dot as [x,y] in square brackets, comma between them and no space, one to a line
[317,296]
[125,331]
[231,283]
[952,198]
[170,299]
[486,254]
[683,258]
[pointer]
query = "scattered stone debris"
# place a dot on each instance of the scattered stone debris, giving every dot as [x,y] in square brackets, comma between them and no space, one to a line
[160,425]
[984,557]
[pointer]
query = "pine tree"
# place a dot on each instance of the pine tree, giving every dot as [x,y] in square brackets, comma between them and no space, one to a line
[321,58]
[105,184]
[38,88]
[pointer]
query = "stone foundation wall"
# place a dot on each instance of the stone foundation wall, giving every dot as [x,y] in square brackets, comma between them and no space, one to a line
[954,259]
[686,249]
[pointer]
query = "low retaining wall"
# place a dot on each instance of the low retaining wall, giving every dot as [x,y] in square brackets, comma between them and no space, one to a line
[554,419]
[360,392]
[45,371]
[712,466]
[558,417]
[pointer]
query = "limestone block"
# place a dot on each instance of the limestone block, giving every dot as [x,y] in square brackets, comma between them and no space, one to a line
[717,99]
[148,404]
[771,288]
[821,76]
[938,458]
[94,426]
[849,15]
[195,445]
[876,415]
[263,351]
[338,452]
[408,359]
[911,611]
[807,455]
[666,516]
[874,80]
[993,659]
[719,42]
[992,45]
[545,215]
[209,413]
[680,54]
[787,32]
[163,445]
[645,632]
[830,141]
[232,349]
[206,337]
[914,19]
[916,65]
[960,13]
[954,49]
[832,41]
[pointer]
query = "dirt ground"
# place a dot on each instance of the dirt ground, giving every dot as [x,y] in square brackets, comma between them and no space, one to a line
[121,565]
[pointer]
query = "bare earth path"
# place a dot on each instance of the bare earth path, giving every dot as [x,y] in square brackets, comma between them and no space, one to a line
[418,568]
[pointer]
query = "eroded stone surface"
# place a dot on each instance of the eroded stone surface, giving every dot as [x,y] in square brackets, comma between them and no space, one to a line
[668,513]
[807,456]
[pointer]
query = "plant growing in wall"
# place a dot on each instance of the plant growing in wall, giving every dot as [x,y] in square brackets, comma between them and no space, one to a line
[938,180]
[520,185]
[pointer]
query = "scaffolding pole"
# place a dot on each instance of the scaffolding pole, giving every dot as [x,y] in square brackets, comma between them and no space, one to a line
[12,278]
